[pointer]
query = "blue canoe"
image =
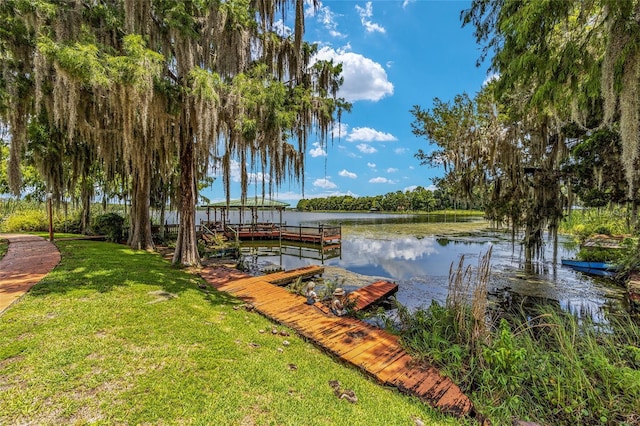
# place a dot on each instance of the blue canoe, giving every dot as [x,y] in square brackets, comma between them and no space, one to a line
[603,269]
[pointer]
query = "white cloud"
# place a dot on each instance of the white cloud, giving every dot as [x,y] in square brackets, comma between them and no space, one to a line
[348,174]
[324,183]
[411,167]
[389,64]
[339,130]
[367,134]
[318,150]
[366,149]
[406,3]
[371,165]
[410,188]
[400,150]
[490,78]
[392,170]
[281,29]
[364,79]
[325,16]
[236,174]
[381,179]
[366,13]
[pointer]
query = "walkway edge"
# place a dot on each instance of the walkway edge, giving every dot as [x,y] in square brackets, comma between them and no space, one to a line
[28,260]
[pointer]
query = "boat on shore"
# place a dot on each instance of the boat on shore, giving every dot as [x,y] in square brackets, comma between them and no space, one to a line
[602,269]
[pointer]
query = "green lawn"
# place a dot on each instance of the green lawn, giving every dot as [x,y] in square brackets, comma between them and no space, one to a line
[98,341]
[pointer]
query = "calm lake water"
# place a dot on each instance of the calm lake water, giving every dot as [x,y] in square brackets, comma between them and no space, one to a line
[420,263]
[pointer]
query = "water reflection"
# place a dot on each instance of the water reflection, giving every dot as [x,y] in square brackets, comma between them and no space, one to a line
[420,265]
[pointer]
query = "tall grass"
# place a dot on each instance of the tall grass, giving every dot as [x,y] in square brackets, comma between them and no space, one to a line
[552,368]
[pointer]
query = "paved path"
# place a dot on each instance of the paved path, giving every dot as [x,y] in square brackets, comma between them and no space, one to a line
[27,261]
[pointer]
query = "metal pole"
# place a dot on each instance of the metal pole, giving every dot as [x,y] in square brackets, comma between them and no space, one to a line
[50,209]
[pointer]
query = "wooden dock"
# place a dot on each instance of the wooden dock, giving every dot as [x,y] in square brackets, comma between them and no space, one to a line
[372,350]
[321,234]
[372,293]
[286,277]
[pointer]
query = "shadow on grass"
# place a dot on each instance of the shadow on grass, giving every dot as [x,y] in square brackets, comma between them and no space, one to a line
[102,267]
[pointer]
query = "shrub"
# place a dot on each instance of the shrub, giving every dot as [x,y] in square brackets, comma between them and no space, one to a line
[110,225]
[25,221]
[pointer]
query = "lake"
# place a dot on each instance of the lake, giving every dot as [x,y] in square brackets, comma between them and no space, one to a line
[417,251]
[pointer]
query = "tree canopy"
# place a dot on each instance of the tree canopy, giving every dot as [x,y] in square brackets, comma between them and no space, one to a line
[151,93]
[566,84]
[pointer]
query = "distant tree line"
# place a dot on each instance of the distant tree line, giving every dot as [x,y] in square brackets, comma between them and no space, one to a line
[419,199]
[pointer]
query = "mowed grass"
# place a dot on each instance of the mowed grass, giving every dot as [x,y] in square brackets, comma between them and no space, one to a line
[115,336]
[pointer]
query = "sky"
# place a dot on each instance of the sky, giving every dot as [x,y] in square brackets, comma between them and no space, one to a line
[395,54]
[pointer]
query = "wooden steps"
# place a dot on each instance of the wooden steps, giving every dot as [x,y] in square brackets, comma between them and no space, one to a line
[370,349]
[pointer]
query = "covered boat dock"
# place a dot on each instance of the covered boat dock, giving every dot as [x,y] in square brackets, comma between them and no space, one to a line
[219,221]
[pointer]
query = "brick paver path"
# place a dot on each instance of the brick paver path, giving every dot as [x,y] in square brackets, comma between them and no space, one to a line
[27,261]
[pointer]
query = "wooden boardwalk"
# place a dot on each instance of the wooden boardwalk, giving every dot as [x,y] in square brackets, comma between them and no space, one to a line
[286,277]
[374,351]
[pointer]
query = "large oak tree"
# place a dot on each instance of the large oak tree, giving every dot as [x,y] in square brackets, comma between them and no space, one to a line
[149,85]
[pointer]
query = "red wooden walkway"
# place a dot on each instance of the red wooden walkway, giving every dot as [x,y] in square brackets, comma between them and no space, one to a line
[373,350]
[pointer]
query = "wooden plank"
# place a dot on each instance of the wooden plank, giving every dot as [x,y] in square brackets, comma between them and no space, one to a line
[455,402]
[370,349]
[222,275]
[373,293]
[350,351]
[281,278]
[390,372]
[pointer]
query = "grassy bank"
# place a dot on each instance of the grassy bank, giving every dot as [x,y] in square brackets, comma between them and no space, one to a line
[117,336]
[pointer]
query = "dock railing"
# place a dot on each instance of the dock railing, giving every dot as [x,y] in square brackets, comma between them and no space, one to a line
[321,234]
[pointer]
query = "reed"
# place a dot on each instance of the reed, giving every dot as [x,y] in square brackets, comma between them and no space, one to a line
[553,368]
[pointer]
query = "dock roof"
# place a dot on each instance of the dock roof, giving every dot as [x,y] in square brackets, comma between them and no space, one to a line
[250,203]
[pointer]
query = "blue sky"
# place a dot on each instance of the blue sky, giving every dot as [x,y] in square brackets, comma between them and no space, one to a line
[395,54]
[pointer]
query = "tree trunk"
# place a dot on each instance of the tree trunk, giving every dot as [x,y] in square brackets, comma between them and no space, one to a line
[187,245]
[140,237]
